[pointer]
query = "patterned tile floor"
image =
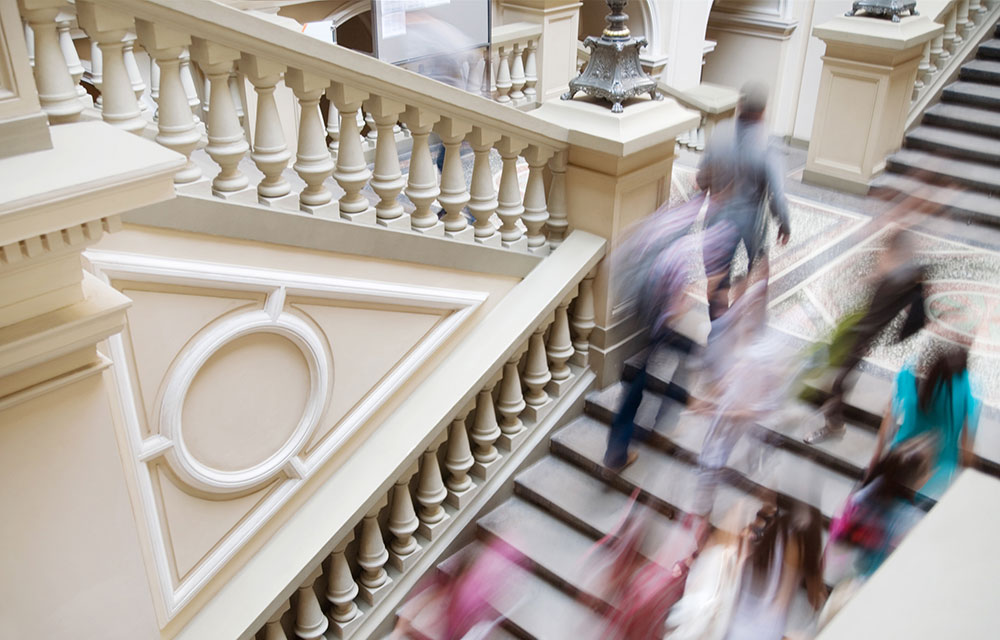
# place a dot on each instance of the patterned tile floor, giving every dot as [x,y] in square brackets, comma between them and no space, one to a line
[822,274]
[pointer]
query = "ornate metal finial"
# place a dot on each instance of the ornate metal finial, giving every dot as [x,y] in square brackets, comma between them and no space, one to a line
[614,72]
[885,8]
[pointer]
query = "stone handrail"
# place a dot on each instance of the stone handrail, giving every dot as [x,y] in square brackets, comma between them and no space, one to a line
[965,22]
[515,71]
[222,40]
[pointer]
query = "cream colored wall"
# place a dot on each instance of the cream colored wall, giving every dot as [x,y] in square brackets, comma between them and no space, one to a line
[812,67]
[244,402]
[72,565]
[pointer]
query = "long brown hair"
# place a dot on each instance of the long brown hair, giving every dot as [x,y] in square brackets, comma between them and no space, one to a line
[944,365]
[805,531]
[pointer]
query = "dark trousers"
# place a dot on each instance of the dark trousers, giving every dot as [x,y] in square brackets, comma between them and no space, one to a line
[862,340]
[718,292]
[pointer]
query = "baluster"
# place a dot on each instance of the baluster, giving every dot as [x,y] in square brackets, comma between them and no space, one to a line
[352,171]
[510,404]
[234,88]
[431,493]
[963,26]
[454,193]
[952,37]
[483,197]
[487,88]
[189,87]
[372,136]
[154,85]
[558,223]
[536,376]
[559,350]
[312,157]
[403,523]
[422,181]
[458,460]
[270,152]
[503,75]
[582,322]
[536,213]
[29,42]
[531,73]
[97,72]
[333,128]
[509,207]
[341,590]
[387,180]
[119,105]
[372,556]
[517,79]
[56,92]
[923,71]
[494,70]
[310,623]
[134,75]
[978,8]
[273,629]
[227,143]
[175,124]
[474,83]
[484,434]
[936,50]
[73,65]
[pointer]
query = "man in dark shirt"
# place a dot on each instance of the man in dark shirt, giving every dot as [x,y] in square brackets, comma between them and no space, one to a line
[900,287]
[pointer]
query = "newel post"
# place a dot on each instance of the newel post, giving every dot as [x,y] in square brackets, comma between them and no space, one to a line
[617,171]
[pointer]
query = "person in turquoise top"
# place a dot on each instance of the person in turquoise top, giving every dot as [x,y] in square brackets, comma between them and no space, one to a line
[940,403]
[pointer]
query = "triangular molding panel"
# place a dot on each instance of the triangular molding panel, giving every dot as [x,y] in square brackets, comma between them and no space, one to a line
[228,379]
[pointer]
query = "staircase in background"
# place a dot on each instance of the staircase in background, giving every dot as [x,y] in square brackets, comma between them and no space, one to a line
[956,148]
[568,500]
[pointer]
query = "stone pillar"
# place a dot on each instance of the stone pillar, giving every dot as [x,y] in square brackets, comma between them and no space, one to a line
[618,169]
[556,56]
[869,71]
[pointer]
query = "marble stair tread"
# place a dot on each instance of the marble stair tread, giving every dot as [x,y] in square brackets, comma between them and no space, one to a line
[667,482]
[866,399]
[849,454]
[981,70]
[427,621]
[960,116]
[563,555]
[960,144]
[533,607]
[989,49]
[963,203]
[938,168]
[660,369]
[972,93]
[581,499]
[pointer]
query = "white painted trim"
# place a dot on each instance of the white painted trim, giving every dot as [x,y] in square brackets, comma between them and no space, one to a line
[273,317]
[52,384]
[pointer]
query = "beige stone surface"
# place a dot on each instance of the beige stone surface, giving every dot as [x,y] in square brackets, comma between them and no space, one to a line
[68,525]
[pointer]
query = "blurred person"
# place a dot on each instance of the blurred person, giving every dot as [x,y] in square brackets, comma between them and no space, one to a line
[462,604]
[898,287]
[788,553]
[654,266]
[740,171]
[878,514]
[939,403]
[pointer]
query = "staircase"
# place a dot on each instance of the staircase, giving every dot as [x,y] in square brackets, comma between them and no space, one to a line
[956,147]
[568,500]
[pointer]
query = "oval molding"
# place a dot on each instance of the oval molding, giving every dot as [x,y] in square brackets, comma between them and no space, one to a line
[182,462]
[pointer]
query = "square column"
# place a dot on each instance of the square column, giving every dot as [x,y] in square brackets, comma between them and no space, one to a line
[864,95]
[618,171]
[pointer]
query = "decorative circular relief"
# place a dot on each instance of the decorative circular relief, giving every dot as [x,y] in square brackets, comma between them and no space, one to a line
[179,456]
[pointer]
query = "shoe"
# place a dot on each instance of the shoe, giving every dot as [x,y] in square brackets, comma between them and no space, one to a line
[824,433]
[629,459]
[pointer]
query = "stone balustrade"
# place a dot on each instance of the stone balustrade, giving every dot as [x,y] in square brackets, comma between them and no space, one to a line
[966,23]
[371,565]
[371,105]
[514,71]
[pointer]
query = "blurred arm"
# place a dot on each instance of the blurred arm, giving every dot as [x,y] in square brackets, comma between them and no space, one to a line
[776,188]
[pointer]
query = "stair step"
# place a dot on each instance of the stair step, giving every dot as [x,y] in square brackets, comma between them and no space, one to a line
[966,118]
[979,70]
[973,93]
[934,168]
[989,49]
[660,370]
[965,204]
[666,483]
[959,144]
[850,454]
[533,608]
[426,618]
